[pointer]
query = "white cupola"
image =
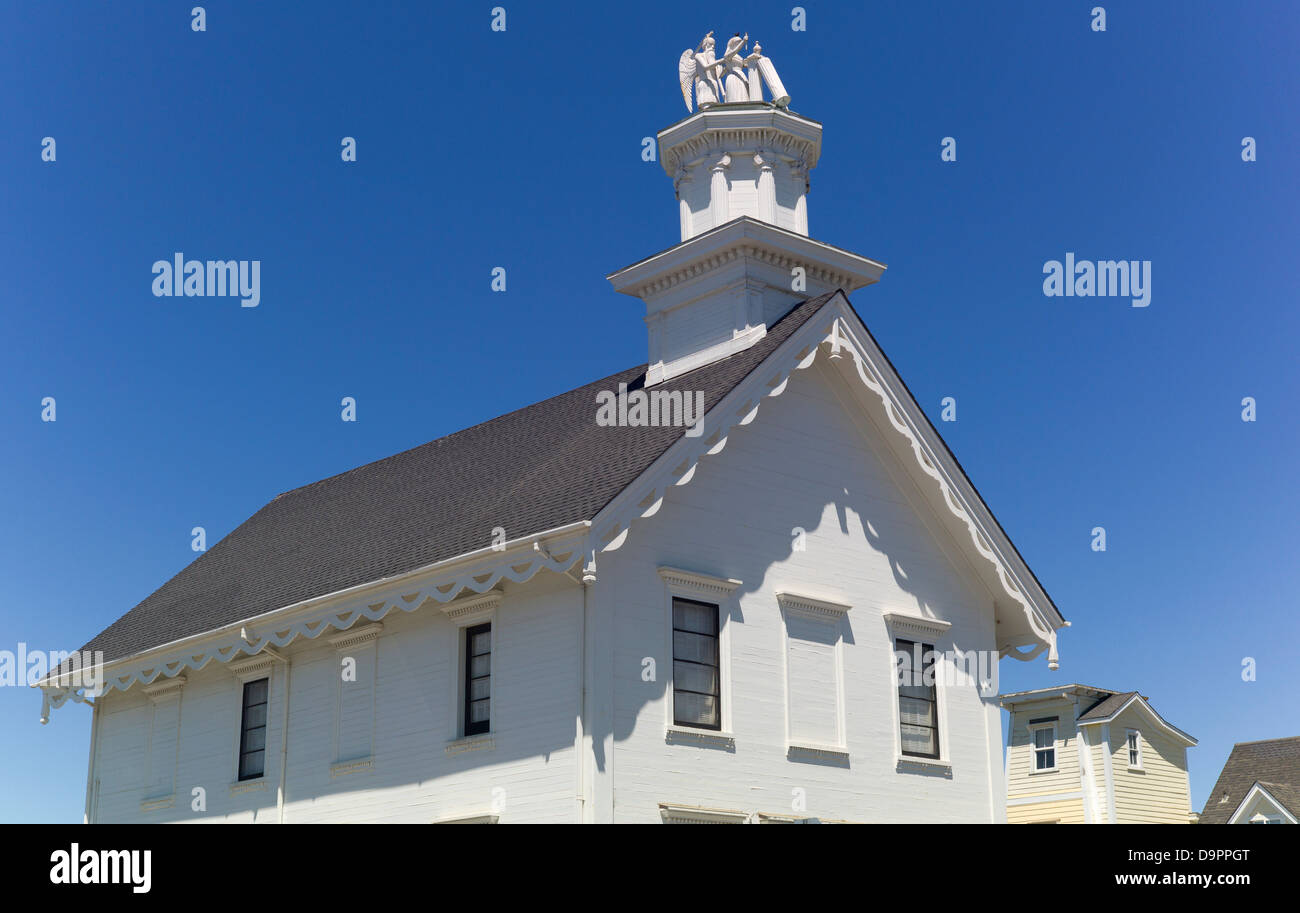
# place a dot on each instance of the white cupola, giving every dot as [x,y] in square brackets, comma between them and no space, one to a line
[742,159]
[741,171]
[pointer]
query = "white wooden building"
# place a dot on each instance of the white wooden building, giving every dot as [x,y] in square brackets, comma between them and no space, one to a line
[567,614]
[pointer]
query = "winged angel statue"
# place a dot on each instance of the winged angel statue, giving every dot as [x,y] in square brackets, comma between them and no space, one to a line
[718,81]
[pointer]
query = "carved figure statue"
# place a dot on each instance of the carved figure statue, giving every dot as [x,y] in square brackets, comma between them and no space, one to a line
[725,81]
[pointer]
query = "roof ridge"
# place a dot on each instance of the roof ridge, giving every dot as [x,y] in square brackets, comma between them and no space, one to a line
[1068,685]
[1285,738]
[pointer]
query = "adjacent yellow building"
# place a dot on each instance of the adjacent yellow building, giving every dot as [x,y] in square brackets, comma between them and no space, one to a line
[1083,755]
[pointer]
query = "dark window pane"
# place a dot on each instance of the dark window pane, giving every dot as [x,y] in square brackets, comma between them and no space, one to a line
[696,648]
[255,692]
[255,739]
[692,677]
[252,729]
[697,686]
[695,617]
[919,740]
[696,709]
[255,716]
[250,765]
[478,682]
[916,713]
[916,692]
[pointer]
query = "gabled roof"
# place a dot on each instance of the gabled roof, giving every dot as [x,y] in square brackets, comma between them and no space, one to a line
[1274,764]
[529,471]
[416,526]
[1284,795]
[1107,707]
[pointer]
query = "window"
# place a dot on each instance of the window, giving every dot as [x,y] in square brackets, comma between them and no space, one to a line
[1134,749]
[478,678]
[918,706]
[697,691]
[252,730]
[1044,746]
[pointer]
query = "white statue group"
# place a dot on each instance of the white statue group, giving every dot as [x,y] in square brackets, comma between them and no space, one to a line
[726,80]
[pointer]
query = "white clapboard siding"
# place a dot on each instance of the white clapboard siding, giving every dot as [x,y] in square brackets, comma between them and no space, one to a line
[527,775]
[811,706]
[1157,793]
[871,542]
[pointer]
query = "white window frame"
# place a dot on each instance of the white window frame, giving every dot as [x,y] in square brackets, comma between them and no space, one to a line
[833,615]
[716,591]
[1034,749]
[1128,752]
[464,614]
[900,626]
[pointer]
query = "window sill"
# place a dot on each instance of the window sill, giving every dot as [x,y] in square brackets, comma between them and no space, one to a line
[1045,770]
[928,765]
[153,803]
[1137,770]
[247,786]
[484,741]
[695,814]
[813,750]
[712,737]
[343,768]
[470,819]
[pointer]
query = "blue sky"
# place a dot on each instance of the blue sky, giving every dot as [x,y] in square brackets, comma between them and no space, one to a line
[522,149]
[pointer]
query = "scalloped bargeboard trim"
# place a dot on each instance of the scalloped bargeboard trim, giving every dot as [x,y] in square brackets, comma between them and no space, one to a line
[338,616]
[678,465]
[675,468]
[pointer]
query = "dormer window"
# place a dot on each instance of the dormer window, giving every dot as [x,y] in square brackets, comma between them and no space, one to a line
[1134,750]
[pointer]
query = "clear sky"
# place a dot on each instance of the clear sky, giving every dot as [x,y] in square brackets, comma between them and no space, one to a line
[522,149]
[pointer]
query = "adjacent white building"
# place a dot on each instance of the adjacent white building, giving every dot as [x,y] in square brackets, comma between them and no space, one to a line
[550,617]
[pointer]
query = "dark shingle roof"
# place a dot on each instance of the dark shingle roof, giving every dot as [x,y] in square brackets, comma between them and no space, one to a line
[528,471]
[1106,706]
[1274,764]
